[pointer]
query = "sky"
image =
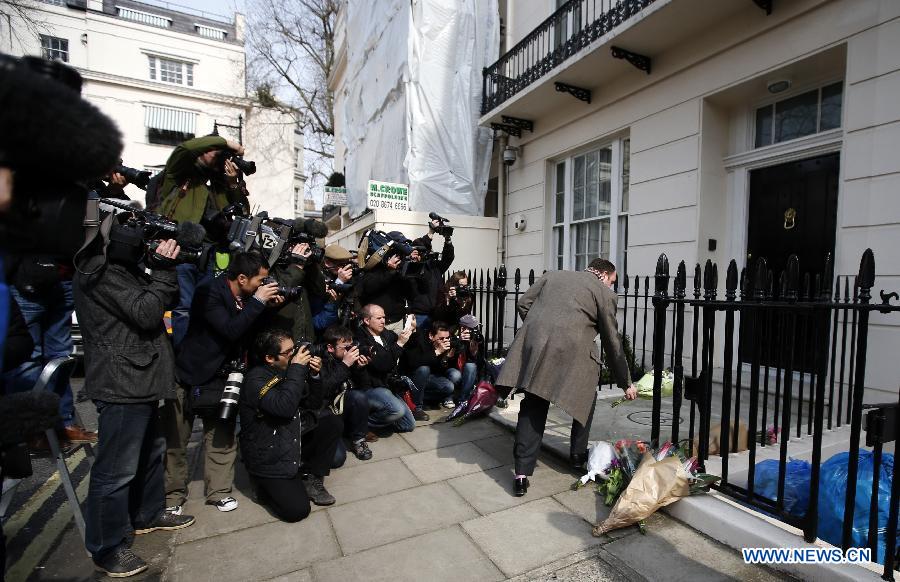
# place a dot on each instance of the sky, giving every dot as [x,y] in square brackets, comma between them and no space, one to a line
[223,7]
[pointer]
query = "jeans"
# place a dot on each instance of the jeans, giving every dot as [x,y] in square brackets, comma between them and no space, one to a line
[189,278]
[430,386]
[464,380]
[49,319]
[126,490]
[356,414]
[385,409]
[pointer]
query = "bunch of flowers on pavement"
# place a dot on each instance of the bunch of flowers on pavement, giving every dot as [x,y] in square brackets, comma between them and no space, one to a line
[645,387]
[637,480]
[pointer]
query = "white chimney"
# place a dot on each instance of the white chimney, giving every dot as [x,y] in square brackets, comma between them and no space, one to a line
[240,23]
[95,5]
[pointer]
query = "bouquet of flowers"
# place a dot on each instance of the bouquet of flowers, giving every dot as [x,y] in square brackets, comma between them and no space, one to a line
[645,387]
[639,480]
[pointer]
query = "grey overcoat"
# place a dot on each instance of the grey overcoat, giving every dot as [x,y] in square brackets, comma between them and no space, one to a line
[554,355]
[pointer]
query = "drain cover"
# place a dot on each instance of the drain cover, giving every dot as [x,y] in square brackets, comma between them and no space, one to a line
[645,417]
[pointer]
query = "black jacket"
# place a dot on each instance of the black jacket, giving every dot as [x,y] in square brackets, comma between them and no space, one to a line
[295,316]
[127,353]
[332,379]
[420,352]
[216,331]
[270,421]
[384,358]
[386,288]
[425,289]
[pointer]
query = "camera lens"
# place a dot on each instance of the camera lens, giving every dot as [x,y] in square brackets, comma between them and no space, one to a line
[230,396]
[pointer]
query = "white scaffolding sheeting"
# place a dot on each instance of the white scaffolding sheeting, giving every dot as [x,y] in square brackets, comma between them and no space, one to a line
[413,100]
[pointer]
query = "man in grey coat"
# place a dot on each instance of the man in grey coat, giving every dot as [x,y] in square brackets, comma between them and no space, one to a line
[554,357]
[129,367]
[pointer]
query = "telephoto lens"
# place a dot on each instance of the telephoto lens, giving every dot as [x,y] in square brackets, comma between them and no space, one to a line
[228,405]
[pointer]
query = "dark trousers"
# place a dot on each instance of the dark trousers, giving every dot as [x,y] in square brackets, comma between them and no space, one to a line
[530,433]
[285,497]
[319,446]
[356,414]
[127,488]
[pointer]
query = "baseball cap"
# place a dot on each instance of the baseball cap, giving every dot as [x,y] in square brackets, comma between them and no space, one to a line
[469,321]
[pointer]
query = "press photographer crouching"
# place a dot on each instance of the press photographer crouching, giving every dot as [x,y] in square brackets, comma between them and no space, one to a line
[276,390]
[382,347]
[129,367]
[428,360]
[223,314]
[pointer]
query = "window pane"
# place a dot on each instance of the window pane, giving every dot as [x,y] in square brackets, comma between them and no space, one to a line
[605,178]
[626,173]
[189,69]
[832,97]
[152,68]
[592,178]
[764,126]
[170,71]
[578,188]
[558,247]
[796,117]
[55,49]
[604,239]
[593,240]
[622,248]
[560,192]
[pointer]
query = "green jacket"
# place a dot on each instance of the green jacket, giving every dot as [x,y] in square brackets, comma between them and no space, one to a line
[296,316]
[184,191]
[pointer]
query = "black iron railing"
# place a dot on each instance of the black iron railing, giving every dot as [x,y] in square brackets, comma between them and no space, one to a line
[575,25]
[800,341]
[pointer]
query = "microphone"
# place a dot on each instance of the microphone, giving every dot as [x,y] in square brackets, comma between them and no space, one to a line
[26,413]
[315,228]
[436,216]
[190,235]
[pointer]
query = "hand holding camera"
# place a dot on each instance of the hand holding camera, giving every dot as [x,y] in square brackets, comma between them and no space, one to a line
[315,364]
[268,293]
[345,273]
[302,250]
[302,356]
[165,255]
[404,336]
[394,262]
[441,346]
[351,355]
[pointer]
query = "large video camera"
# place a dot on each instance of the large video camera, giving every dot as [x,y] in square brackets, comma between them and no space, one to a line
[442,228]
[302,231]
[276,237]
[141,231]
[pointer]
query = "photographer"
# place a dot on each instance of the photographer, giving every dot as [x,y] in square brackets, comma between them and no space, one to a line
[426,286]
[223,313]
[428,360]
[339,286]
[197,183]
[383,348]
[304,278]
[455,299]
[128,367]
[384,286]
[470,362]
[274,392]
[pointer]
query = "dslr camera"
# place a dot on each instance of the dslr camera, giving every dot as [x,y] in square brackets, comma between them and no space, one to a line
[246,167]
[464,291]
[139,178]
[315,350]
[288,293]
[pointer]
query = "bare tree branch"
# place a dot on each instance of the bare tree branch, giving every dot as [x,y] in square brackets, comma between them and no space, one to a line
[24,12]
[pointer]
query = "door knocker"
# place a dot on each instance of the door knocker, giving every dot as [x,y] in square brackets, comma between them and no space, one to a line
[790,218]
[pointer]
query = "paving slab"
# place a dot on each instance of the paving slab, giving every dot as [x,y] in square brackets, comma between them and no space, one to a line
[370,479]
[444,555]
[389,447]
[500,447]
[591,508]
[444,434]
[374,522]
[544,525]
[597,566]
[448,462]
[212,522]
[298,576]
[256,553]
[681,553]
[492,490]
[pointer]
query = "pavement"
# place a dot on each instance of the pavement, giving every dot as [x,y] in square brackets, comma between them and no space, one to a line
[436,503]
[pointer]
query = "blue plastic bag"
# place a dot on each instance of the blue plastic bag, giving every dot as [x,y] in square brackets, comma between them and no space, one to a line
[832,493]
[796,484]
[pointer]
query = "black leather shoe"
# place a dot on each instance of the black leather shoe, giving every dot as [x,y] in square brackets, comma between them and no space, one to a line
[521,486]
[578,461]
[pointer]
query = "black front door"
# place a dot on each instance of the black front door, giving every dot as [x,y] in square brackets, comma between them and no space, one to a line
[793,210]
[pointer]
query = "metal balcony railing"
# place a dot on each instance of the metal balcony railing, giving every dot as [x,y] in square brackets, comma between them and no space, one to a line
[575,25]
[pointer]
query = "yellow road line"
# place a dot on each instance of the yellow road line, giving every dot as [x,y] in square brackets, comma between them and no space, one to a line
[39,547]
[34,503]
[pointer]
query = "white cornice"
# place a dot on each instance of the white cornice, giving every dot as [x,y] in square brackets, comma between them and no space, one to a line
[786,151]
[176,90]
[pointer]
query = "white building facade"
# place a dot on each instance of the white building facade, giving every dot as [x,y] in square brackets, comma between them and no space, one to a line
[165,76]
[703,129]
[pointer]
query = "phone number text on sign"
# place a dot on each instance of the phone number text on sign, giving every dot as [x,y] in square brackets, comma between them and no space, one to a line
[388,196]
